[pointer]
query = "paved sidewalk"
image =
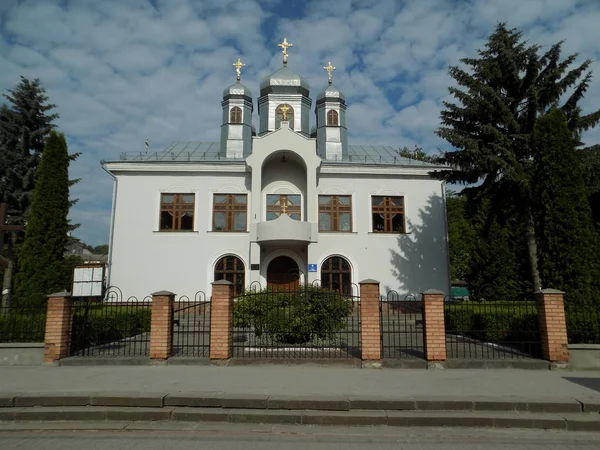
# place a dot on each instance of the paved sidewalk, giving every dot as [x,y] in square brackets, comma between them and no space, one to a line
[298,380]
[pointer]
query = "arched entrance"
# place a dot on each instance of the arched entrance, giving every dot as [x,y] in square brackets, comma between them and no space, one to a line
[283,274]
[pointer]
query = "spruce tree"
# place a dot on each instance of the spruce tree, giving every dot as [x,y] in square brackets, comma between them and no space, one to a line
[500,95]
[42,264]
[568,242]
[25,123]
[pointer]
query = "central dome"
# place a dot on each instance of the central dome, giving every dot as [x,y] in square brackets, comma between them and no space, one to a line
[284,81]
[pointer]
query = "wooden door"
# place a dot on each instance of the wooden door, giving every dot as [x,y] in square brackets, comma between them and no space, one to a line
[283,274]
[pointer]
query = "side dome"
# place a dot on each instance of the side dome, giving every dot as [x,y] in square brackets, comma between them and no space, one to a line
[331,92]
[237,89]
[284,81]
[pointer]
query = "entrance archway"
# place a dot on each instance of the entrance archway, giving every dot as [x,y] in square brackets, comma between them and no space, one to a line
[283,274]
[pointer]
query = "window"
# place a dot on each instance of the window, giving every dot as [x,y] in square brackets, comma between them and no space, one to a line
[335,213]
[286,111]
[235,115]
[232,269]
[336,275]
[229,212]
[287,204]
[332,117]
[388,214]
[177,212]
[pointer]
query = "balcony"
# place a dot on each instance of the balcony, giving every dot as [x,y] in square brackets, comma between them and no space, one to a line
[284,231]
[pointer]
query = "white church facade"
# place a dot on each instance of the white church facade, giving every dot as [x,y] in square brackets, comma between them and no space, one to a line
[281,206]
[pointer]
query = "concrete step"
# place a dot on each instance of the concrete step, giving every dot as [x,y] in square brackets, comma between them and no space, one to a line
[298,402]
[391,418]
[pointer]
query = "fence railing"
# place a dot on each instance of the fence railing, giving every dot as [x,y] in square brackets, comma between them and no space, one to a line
[492,329]
[107,329]
[306,323]
[583,322]
[20,323]
[401,326]
[191,326]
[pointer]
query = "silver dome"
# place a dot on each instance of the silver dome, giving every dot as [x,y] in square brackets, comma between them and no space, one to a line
[237,89]
[331,92]
[284,77]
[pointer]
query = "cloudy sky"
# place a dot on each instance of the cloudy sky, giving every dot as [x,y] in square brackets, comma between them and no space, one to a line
[121,71]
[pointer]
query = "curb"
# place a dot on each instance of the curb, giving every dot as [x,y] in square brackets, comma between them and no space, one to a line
[564,405]
[567,422]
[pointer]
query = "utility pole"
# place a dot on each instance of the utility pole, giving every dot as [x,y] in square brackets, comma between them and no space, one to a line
[7,262]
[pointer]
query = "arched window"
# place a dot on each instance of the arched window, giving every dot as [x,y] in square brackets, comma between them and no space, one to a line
[231,268]
[284,112]
[332,117]
[235,115]
[336,274]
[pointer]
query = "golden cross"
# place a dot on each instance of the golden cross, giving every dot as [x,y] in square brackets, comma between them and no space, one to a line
[284,110]
[284,45]
[329,68]
[238,66]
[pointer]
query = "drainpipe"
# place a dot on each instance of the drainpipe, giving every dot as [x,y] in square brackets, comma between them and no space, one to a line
[112,225]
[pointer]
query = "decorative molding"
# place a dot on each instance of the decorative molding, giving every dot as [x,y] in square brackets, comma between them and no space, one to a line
[176,166]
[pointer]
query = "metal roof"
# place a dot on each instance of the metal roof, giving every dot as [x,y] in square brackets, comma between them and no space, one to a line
[210,151]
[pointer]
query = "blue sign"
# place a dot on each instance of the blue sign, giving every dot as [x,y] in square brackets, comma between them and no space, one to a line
[312,267]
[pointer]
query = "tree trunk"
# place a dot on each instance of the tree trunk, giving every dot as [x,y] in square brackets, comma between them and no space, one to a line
[532,251]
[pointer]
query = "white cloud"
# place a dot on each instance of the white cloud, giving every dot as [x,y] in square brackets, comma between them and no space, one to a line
[120,72]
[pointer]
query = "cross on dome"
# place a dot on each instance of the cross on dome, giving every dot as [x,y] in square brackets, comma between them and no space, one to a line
[329,68]
[238,66]
[284,45]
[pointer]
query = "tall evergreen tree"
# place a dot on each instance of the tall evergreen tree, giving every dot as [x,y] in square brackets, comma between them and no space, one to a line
[568,242]
[42,264]
[25,123]
[500,95]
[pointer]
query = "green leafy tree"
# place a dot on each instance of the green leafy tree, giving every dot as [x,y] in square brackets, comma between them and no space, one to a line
[591,171]
[25,124]
[568,242]
[418,154]
[462,237]
[499,96]
[42,265]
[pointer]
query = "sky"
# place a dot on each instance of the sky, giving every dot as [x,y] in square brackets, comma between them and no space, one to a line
[123,71]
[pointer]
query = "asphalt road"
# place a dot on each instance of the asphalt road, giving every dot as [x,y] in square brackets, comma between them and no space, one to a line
[231,436]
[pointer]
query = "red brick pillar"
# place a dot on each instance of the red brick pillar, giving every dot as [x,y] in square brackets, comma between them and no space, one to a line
[553,328]
[370,328]
[59,320]
[434,328]
[221,320]
[161,326]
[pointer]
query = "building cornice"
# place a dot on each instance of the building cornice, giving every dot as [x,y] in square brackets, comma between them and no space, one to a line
[174,167]
[379,169]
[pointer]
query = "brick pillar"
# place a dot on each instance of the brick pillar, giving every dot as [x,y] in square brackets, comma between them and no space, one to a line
[221,320]
[59,320]
[553,328]
[161,326]
[370,320]
[434,328]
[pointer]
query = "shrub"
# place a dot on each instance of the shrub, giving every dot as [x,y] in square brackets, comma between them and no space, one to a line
[22,328]
[293,317]
[583,323]
[99,324]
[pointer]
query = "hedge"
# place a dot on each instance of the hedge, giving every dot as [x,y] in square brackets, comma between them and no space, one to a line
[293,317]
[22,328]
[101,324]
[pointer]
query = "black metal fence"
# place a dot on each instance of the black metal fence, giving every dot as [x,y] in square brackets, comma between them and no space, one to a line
[310,322]
[20,323]
[583,321]
[489,329]
[401,326]
[113,327]
[191,326]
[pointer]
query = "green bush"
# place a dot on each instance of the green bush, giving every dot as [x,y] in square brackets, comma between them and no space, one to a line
[22,328]
[101,324]
[293,317]
[583,323]
[493,321]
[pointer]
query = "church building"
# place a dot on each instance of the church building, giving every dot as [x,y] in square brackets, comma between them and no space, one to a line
[279,204]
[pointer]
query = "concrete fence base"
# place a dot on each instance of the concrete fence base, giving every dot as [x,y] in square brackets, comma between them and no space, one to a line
[21,354]
[584,356]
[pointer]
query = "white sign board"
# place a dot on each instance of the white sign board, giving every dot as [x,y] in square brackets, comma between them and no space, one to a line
[88,281]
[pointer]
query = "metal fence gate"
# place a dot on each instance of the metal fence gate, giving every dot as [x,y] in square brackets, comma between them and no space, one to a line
[401,326]
[310,322]
[191,326]
[111,328]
